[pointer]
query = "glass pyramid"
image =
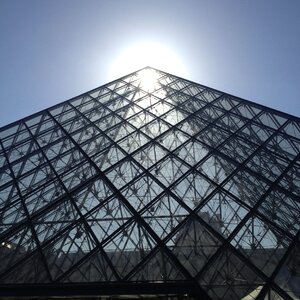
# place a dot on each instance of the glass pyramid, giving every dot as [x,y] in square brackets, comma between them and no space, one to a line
[151,185]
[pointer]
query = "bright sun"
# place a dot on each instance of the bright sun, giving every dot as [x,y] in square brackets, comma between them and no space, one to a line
[145,54]
[148,80]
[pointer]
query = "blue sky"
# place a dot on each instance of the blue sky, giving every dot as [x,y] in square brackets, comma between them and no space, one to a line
[54,50]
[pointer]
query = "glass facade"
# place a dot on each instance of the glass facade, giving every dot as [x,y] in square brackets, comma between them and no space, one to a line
[151,184]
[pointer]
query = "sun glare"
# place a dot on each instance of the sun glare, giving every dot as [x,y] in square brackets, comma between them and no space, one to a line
[145,54]
[148,80]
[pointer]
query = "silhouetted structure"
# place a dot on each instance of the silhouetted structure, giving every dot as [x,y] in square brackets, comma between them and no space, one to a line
[151,185]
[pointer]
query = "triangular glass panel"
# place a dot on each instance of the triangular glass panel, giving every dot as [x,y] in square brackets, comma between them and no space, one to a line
[128,111]
[107,218]
[5,176]
[246,187]
[32,271]
[282,209]
[192,89]
[35,178]
[155,128]
[21,151]
[49,137]
[129,247]
[175,116]
[193,245]
[150,155]
[231,122]
[7,132]
[169,170]
[284,146]
[146,101]
[14,247]
[78,176]
[109,157]
[228,103]
[141,192]
[93,269]
[192,126]
[141,119]
[217,168]
[124,173]
[192,152]
[293,129]
[8,195]
[238,149]
[55,220]
[160,108]
[91,196]
[192,105]
[67,249]
[291,180]
[213,136]
[61,108]
[39,198]
[267,164]
[271,120]
[223,213]
[60,146]
[211,113]
[164,214]
[287,277]
[96,113]
[85,136]
[106,96]
[158,268]
[261,243]
[107,122]
[98,92]
[117,104]
[173,139]
[255,133]
[119,131]
[208,95]
[193,189]
[96,144]
[228,277]
[133,141]
[11,215]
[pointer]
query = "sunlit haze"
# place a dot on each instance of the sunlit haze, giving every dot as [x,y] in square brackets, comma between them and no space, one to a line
[148,80]
[137,56]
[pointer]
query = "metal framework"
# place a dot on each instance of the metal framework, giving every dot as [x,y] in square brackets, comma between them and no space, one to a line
[151,184]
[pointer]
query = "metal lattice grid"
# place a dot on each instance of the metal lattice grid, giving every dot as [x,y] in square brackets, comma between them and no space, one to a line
[151,181]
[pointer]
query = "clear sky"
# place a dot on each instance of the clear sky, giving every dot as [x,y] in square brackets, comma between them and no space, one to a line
[54,50]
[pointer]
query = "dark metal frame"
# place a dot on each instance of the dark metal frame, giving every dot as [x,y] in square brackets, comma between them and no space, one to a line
[205,112]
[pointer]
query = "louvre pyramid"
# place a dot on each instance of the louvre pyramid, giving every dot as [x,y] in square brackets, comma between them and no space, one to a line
[151,185]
